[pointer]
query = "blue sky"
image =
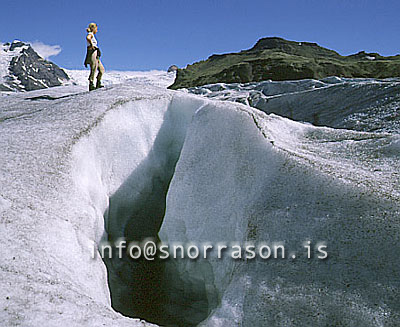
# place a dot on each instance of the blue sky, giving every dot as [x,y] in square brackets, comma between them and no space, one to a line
[154,34]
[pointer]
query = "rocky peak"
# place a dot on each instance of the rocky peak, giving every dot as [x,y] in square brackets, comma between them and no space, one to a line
[25,70]
[16,44]
[308,49]
[271,43]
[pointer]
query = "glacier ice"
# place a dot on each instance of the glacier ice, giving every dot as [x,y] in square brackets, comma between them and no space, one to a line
[78,168]
[289,182]
[358,104]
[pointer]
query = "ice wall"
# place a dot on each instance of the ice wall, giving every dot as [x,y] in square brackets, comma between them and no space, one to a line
[245,176]
[49,220]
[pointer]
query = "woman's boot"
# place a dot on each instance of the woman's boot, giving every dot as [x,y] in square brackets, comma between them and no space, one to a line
[98,84]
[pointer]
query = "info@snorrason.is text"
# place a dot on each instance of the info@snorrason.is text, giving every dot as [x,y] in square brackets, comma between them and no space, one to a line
[150,250]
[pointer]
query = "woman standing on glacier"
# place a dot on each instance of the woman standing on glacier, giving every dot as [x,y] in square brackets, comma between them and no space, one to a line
[93,57]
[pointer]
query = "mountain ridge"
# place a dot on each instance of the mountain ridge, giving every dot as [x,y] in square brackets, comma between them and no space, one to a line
[274,58]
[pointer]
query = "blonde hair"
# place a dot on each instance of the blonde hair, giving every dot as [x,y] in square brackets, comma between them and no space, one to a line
[91,27]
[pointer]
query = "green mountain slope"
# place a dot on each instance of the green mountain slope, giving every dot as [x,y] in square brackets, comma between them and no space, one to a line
[279,59]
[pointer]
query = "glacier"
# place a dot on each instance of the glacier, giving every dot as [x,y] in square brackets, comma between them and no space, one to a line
[136,160]
[363,104]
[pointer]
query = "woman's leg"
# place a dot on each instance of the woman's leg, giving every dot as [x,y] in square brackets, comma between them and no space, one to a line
[93,66]
[101,70]
[100,74]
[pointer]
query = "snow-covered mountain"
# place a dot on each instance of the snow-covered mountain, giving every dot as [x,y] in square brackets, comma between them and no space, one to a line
[22,69]
[135,160]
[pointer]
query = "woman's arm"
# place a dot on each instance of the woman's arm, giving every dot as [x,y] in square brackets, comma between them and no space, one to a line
[89,38]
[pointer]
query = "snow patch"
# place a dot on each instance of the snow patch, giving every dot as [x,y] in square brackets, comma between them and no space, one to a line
[4,204]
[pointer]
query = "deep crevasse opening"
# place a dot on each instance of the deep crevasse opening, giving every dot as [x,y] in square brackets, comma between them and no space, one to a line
[124,168]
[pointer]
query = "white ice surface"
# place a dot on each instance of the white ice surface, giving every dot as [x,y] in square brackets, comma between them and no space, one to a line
[242,175]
